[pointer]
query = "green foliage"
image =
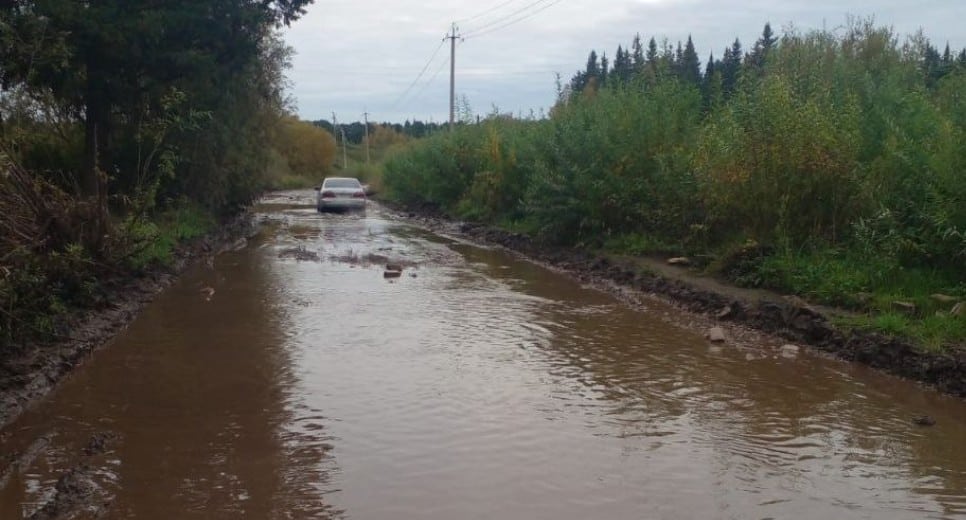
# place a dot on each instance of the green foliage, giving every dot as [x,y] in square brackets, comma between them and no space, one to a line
[113,109]
[36,293]
[933,332]
[153,242]
[825,164]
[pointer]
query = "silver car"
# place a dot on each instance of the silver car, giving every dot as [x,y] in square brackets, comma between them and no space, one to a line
[340,194]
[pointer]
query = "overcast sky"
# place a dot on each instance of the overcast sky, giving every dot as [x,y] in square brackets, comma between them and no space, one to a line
[354,56]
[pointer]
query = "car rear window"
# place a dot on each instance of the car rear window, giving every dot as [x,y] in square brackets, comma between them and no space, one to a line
[342,183]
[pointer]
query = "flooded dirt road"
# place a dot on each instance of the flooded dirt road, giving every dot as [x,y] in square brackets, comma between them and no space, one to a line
[291,379]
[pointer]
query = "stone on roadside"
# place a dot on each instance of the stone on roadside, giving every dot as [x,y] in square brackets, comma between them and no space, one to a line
[789,351]
[906,307]
[958,310]
[725,312]
[716,335]
[679,260]
[944,298]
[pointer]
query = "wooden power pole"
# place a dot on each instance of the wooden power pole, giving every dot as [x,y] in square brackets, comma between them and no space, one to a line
[452,76]
[365,117]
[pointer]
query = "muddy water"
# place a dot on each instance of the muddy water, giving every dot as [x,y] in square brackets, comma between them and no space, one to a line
[475,385]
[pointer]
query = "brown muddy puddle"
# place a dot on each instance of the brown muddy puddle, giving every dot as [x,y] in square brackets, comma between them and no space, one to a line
[484,387]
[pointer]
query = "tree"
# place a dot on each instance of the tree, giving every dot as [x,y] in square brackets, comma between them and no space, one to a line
[308,149]
[764,45]
[113,62]
[589,76]
[637,54]
[652,57]
[731,67]
[690,65]
[621,71]
[604,69]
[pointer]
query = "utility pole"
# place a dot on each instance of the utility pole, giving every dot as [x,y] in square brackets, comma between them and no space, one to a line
[335,135]
[345,158]
[365,117]
[452,76]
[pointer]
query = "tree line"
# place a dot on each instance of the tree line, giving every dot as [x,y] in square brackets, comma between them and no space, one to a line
[719,78]
[355,132]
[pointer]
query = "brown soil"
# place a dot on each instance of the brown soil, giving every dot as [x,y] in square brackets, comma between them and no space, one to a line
[31,371]
[786,317]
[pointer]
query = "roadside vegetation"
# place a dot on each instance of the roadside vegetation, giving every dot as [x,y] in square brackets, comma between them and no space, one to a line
[828,165]
[127,129]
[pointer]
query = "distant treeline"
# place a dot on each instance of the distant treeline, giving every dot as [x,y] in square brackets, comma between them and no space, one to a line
[355,132]
[720,77]
[828,164]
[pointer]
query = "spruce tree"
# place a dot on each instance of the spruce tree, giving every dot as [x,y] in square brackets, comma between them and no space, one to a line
[731,67]
[604,70]
[615,71]
[652,56]
[690,65]
[759,54]
[637,54]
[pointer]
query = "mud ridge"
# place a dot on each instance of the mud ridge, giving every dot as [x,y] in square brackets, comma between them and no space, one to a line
[34,369]
[786,317]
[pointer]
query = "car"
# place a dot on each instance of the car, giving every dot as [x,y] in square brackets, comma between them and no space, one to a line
[340,194]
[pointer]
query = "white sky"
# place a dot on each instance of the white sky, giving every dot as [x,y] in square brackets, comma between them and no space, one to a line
[358,55]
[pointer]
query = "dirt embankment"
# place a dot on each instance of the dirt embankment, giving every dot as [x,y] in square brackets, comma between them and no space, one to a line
[789,318]
[31,371]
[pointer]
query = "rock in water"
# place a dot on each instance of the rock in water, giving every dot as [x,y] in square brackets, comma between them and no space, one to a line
[679,260]
[789,351]
[924,420]
[716,335]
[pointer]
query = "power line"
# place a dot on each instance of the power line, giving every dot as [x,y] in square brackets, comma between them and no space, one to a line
[420,75]
[431,79]
[486,12]
[500,20]
[479,32]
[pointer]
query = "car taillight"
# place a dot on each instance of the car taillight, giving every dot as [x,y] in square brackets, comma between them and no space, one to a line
[328,194]
[359,195]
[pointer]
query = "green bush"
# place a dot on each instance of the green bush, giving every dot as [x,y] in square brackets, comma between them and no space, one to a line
[831,167]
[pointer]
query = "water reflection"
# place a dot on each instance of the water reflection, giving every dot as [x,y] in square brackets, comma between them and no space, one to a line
[199,395]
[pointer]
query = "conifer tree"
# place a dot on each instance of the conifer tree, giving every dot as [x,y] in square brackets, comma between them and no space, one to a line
[764,45]
[652,56]
[690,65]
[604,71]
[731,67]
[637,54]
